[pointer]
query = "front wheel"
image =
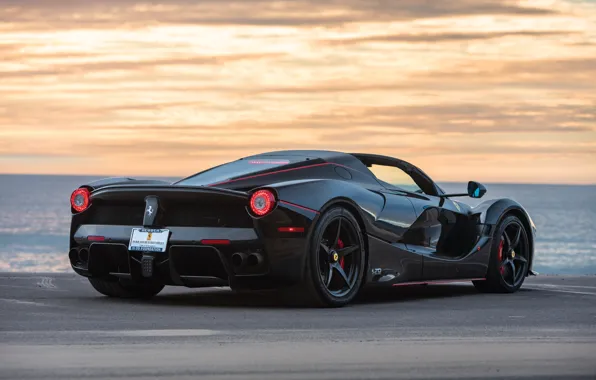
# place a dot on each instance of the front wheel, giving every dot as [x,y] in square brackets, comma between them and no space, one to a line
[335,263]
[509,258]
[125,288]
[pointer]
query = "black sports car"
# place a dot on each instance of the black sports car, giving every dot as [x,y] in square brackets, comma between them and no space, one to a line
[324,223]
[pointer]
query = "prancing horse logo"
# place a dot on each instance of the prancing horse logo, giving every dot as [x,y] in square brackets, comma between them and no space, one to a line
[151,210]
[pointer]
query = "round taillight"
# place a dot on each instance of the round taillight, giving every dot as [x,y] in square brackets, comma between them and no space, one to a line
[262,202]
[79,200]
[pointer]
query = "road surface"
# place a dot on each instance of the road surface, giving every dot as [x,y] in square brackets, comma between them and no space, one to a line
[54,326]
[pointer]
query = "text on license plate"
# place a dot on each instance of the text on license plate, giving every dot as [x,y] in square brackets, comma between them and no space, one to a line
[148,240]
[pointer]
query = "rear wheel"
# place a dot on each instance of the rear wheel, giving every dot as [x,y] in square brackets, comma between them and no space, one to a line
[509,260]
[125,288]
[336,259]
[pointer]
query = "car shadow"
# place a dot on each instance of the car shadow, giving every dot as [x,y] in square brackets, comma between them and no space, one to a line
[415,293]
[224,297]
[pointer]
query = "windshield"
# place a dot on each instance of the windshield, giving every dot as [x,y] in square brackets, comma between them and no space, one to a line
[240,168]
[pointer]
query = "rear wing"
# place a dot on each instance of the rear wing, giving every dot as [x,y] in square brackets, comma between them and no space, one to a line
[136,191]
[122,181]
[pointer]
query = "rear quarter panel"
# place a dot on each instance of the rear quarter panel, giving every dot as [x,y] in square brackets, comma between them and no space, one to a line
[319,194]
[378,216]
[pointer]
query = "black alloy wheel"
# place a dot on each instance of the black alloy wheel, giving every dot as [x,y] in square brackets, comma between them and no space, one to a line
[336,261]
[512,254]
[339,257]
[509,259]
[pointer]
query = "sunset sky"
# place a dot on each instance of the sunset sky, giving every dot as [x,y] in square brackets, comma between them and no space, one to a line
[496,91]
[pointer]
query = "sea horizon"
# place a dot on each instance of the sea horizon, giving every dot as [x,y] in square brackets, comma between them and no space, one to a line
[34,224]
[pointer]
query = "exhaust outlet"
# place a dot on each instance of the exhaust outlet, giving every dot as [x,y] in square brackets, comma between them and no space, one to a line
[73,255]
[84,255]
[239,259]
[254,259]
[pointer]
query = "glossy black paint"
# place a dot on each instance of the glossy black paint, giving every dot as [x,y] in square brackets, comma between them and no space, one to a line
[410,236]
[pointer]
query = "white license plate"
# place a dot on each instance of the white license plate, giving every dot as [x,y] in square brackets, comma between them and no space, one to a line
[148,240]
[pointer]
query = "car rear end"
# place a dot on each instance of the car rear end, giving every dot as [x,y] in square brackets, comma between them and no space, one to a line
[187,235]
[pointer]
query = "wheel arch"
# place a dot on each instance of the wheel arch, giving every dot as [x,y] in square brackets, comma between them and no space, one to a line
[495,211]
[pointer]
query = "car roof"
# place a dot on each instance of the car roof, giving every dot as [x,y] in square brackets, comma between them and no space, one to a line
[357,161]
[325,155]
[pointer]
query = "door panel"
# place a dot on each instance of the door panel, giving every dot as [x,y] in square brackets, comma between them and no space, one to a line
[425,232]
[396,218]
[392,261]
[444,234]
[437,233]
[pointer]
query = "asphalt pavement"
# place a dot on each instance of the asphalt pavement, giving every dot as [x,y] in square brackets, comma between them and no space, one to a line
[54,326]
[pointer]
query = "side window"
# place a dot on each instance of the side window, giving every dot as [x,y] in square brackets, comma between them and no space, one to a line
[396,177]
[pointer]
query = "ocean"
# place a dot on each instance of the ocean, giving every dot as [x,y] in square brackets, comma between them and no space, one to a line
[35,217]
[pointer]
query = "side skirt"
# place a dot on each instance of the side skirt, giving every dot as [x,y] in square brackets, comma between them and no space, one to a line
[434,282]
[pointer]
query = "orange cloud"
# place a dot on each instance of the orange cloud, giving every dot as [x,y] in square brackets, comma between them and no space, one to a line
[442,37]
[494,90]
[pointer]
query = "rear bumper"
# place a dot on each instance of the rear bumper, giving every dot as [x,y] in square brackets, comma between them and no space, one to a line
[178,236]
[188,262]
[193,255]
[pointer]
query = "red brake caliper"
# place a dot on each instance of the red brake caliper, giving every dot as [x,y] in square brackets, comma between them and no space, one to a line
[500,256]
[340,245]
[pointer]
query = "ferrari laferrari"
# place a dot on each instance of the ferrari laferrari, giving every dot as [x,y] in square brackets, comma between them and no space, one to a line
[323,224]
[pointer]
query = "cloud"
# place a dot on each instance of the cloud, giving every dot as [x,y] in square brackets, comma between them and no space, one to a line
[571,75]
[459,118]
[349,129]
[560,67]
[548,73]
[36,156]
[181,85]
[59,14]
[426,138]
[136,65]
[441,37]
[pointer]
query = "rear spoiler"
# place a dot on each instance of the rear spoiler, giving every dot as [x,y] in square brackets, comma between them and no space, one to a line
[100,183]
[136,191]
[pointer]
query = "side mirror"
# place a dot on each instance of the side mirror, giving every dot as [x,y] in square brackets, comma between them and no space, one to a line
[476,190]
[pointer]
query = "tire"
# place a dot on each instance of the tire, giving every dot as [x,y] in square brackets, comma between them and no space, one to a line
[126,288]
[509,258]
[335,253]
